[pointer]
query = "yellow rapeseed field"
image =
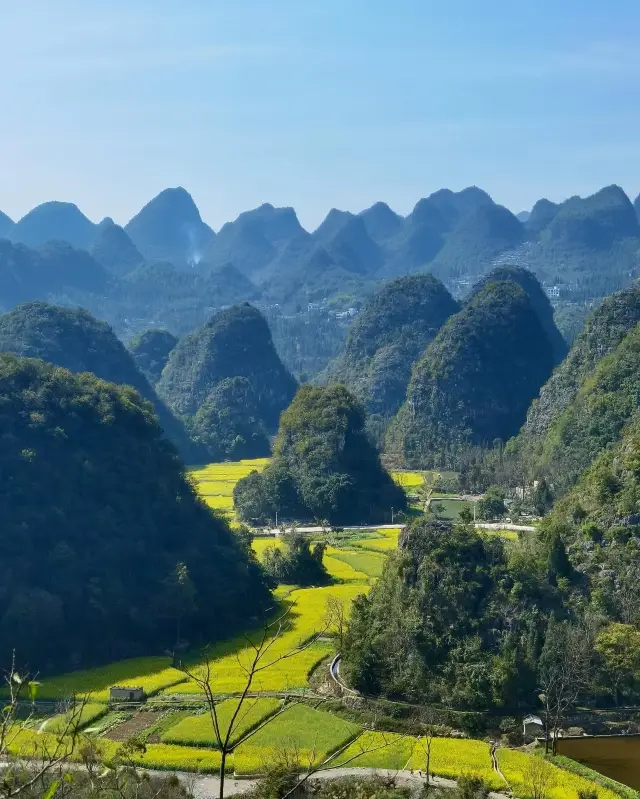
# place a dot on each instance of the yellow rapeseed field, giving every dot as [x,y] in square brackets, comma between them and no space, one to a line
[563,784]
[387,543]
[150,673]
[408,479]
[452,757]
[307,617]
[378,750]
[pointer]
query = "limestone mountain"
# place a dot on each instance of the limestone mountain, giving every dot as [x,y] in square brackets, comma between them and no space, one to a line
[542,214]
[388,336]
[235,342]
[75,340]
[169,228]
[344,236]
[381,222]
[476,379]
[150,350]
[113,248]
[53,269]
[602,333]
[539,300]
[324,466]
[90,488]
[475,242]
[606,400]
[228,423]
[6,223]
[53,221]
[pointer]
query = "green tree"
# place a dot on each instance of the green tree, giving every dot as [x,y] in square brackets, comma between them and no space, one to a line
[492,506]
[619,648]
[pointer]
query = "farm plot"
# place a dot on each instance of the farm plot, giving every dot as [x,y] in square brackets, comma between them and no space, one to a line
[378,750]
[311,734]
[150,673]
[517,769]
[307,618]
[215,482]
[80,718]
[388,541]
[453,757]
[362,561]
[198,730]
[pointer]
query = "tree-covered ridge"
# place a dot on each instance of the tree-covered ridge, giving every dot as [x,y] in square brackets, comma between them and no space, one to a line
[29,274]
[107,552]
[74,339]
[475,381]
[323,467]
[387,337]
[113,248]
[451,620]
[606,400]
[53,221]
[537,297]
[235,343]
[602,333]
[150,350]
[599,520]
[228,423]
[169,228]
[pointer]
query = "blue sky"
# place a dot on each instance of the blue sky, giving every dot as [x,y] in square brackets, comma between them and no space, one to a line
[315,103]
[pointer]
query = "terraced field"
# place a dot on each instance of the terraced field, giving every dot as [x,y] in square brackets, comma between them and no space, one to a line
[181,738]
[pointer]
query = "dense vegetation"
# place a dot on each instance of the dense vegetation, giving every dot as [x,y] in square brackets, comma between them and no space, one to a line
[112,248]
[538,299]
[386,338]
[229,423]
[323,467]
[107,552]
[150,350]
[75,340]
[298,563]
[475,381]
[451,620]
[603,332]
[235,343]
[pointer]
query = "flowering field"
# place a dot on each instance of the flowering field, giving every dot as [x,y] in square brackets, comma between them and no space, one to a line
[562,784]
[388,542]
[368,562]
[198,730]
[307,617]
[313,734]
[216,481]
[378,750]
[150,673]
[451,757]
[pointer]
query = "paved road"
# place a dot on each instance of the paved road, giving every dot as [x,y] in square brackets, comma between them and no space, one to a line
[209,787]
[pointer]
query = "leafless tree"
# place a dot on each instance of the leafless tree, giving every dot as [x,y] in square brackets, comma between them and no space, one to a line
[563,675]
[262,654]
[429,730]
[40,763]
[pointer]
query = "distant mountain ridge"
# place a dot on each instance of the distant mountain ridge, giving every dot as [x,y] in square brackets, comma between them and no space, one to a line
[590,244]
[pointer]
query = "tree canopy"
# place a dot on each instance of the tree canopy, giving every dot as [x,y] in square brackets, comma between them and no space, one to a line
[323,467]
[97,516]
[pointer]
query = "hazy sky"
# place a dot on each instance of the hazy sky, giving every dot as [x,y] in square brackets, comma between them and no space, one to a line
[315,103]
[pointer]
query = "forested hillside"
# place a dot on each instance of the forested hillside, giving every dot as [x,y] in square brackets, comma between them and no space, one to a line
[603,332]
[323,467]
[75,340]
[150,350]
[106,551]
[234,343]
[475,381]
[386,338]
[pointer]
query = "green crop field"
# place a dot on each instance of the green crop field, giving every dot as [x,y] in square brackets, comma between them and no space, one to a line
[198,730]
[312,733]
[388,541]
[368,562]
[81,718]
